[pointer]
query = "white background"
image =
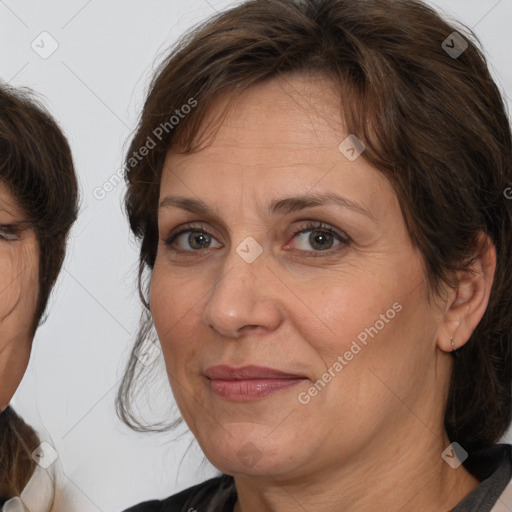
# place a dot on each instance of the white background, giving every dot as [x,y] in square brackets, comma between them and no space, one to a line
[94,84]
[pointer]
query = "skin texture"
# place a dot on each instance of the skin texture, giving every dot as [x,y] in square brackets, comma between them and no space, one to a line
[19,284]
[372,438]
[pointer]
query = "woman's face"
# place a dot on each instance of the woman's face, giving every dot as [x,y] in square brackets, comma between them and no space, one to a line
[19,288]
[345,312]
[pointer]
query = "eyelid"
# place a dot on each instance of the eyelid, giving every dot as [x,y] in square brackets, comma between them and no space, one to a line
[343,238]
[311,225]
[183,228]
[9,232]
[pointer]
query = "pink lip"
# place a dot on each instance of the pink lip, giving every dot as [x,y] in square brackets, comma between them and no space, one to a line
[248,382]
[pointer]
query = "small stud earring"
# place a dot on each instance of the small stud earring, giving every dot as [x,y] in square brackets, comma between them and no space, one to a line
[454,350]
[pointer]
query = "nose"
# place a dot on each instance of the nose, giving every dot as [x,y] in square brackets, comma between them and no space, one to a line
[244,298]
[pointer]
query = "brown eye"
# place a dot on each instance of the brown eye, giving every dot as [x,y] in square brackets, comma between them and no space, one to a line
[9,233]
[321,238]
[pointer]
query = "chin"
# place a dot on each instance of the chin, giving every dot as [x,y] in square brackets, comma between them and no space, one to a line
[251,458]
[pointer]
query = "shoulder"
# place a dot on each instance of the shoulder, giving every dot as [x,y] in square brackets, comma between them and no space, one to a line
[492,466]
[179,501]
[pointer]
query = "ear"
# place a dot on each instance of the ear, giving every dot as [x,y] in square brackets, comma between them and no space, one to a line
[466,305]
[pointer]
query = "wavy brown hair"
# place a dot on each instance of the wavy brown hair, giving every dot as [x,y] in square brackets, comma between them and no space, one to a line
[17,442]
[434,125]
[36,167]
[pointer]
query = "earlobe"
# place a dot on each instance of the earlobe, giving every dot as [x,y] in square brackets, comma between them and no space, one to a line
[469,301]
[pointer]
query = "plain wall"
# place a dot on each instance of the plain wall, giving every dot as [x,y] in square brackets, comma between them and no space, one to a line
[94,84]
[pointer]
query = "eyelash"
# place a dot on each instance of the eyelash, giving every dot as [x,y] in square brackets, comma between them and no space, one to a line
[8,233]
[310,226]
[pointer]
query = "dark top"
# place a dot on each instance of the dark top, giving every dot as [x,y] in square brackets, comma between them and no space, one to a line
[492,466]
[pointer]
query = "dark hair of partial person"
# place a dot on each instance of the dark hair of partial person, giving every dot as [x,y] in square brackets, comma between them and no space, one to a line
[36,167]
[435,126]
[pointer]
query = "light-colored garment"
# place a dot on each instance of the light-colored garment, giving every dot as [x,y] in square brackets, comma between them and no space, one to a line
[504,503]
[37,496]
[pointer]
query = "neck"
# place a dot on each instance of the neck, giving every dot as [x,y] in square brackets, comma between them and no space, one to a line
[410,477]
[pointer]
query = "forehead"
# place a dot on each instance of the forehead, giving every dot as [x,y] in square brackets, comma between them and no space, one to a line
[9,205]
[277,135]
[296,112]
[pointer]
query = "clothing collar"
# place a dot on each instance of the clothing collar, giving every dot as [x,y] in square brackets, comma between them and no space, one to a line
[37,496]
[493,467]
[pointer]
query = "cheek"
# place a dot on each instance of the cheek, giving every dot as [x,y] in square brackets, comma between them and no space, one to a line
[18,302]
[174,304]
[13,363]
[375,350]
[355,327]
[11,278]
[338,309]
[19,280]
[176,311]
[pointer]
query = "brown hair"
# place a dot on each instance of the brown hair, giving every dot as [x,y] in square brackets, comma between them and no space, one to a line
[17,442]
[37,168]
[436,126]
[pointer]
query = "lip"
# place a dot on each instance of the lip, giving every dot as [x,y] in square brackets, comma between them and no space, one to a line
[249,382]
[224,372]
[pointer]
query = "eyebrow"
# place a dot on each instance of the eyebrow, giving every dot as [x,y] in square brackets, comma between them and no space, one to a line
[283,206]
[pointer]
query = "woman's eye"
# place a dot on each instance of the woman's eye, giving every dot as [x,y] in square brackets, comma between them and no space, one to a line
[319,237]
[195,238]
[8,233]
